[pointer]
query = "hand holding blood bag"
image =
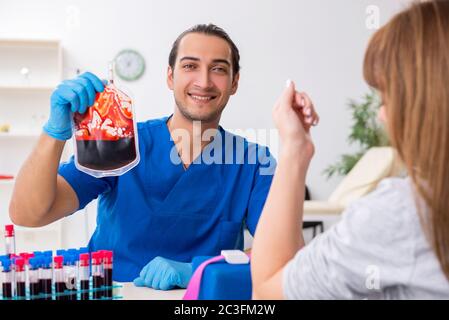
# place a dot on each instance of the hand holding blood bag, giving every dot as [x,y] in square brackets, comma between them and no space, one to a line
[106,136]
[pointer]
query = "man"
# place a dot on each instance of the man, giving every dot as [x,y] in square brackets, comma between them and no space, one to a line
[173,205]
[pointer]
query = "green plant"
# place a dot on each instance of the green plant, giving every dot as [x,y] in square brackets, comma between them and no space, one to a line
[366,130]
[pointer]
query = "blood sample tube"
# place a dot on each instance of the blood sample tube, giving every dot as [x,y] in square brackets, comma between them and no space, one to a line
[13,263]
[33,278]
[76,261]
[26,257]
[70,276]
[7,279]
[97,275]
[107,271]
[59,277]
[84,275]
[10,240]
[45,277]
[20,278]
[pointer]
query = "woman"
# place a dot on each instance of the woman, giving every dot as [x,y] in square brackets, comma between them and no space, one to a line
[393,243]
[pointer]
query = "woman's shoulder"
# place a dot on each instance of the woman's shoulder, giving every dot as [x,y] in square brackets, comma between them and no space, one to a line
[391,206]
[394,193]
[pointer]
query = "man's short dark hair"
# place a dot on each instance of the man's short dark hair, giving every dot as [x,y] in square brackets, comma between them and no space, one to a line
[212,30]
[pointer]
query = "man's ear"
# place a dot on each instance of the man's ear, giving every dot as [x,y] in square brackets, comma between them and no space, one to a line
[170,78]
[235,83]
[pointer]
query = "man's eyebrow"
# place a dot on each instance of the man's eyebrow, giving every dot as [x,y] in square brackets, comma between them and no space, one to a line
[198,59]
[222,61]
[189,58]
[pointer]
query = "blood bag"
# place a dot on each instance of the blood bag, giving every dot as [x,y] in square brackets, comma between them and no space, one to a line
[106,139]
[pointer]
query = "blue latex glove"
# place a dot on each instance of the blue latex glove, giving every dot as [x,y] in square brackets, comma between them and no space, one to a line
[71,96]
[164,274]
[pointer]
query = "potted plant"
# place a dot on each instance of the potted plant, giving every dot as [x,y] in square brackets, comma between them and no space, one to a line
[366,131]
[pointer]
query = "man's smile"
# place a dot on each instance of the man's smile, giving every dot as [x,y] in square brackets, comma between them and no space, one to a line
[201,97]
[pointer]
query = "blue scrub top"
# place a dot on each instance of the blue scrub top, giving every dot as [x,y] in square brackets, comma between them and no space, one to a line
[159,208]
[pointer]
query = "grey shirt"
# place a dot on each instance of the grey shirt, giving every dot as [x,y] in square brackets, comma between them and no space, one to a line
[377,251]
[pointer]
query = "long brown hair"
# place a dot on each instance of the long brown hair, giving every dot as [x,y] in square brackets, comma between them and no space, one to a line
[408,62]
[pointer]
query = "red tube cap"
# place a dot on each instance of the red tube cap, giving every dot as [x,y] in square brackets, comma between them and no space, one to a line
[26,257]
[84,260]
[58,261]
[107,257]
[9,230]
[19,262]
[97,258]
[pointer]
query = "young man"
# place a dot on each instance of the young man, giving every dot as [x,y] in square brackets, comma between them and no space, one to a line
[173,205]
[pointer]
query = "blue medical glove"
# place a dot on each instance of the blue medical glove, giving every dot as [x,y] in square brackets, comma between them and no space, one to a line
[164,274]
[71,95]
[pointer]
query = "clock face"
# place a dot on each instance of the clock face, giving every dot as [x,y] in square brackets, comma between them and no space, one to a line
[129,65]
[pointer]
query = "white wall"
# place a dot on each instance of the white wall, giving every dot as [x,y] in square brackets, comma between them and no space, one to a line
[319,43]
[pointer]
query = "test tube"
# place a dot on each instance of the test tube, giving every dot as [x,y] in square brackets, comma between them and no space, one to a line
[97,275]
[76,260]
[107,270]
[10,240]
[39,265]
[45,277]
[7,279]
[26,257]
[13,262]
[70,276]
[59,277]
[84,275]
[65,260]
[33,277]
[20,278]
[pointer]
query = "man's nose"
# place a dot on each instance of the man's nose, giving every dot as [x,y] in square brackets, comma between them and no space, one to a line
[204,80]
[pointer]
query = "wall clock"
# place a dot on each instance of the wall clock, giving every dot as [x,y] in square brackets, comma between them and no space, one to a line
[129,65]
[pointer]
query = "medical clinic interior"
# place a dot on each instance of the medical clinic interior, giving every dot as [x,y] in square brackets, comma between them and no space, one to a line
[224,150]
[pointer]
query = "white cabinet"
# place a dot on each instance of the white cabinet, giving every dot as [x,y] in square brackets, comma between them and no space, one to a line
[41,58]
[29,72]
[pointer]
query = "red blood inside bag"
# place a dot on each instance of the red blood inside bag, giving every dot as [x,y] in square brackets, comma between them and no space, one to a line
[105,137]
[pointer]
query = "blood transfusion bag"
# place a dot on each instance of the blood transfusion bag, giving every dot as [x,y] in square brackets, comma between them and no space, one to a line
[106,141]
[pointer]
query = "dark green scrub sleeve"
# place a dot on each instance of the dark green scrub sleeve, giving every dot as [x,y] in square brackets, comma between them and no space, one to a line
[86,187]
